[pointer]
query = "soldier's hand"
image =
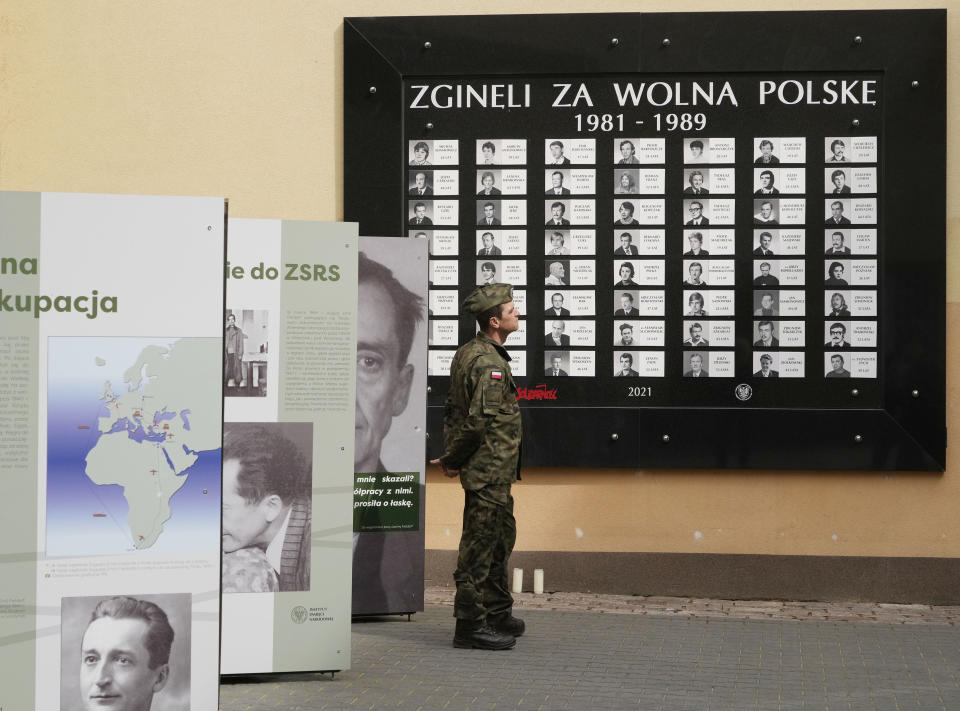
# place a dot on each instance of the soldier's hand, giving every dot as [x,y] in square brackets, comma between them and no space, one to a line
[447,471]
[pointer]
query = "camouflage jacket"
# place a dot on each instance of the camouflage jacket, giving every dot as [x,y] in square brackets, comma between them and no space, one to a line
[481,420]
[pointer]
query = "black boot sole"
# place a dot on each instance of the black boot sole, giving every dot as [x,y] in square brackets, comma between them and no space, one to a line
[473,644]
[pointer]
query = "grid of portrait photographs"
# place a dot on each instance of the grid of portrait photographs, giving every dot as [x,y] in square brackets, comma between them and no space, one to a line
[599,269]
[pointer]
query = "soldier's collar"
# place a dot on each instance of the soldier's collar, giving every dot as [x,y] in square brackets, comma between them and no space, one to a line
[481,336]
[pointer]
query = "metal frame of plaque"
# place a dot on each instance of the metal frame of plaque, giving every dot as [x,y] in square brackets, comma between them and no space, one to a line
[874,79]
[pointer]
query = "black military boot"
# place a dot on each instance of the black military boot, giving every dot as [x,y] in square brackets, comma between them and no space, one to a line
[507,624]
[479,635]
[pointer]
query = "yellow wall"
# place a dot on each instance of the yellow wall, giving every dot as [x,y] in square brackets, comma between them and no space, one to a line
[244,99]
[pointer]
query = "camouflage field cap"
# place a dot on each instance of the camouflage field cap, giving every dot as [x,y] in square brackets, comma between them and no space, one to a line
[487,296]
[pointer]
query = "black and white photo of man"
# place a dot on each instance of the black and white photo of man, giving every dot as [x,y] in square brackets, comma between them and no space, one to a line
[420,184]
[766,370]
[420,215]
[557,247]
[768,305]
[488,273]
[763,249]
[626,248]
[625,368]
[556,154]
[267,485]
[556,184]
[627,150]
[765,278]
[837,147]
[695,239]
[627,309]
[557,211]
[388,565]
[554,369]
[695,210]
[766,339]
[489,248]
[696,370]
[489,217]
[836,367]
[695,305]
[557,338]
[838,338]
[836,215]
[626,335]
[129,651]
[696,184]
[233,353]
[694,274]
[696,339]
[556,274]
[839,180]
[766,216]
[767,179]
[556,306]
[837,246]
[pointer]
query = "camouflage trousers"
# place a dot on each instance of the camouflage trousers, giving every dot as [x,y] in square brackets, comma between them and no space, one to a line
[489,532]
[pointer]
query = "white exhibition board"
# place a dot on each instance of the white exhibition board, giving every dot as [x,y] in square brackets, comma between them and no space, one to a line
[289,387]
[110,432]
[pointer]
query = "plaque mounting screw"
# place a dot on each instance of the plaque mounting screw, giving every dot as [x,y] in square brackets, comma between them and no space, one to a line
[427,45]
[614,436]
[614,41]
[429,127]
[855,123]
[855,392]
[429,389]
[914,84]
[373,90]
[858,40]
[915,393]
[858,439]
[666,438]
[666,42]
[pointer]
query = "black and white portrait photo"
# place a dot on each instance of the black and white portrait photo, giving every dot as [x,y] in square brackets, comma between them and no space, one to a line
[420,182]
[420,153]
[765,212]
[420,213]
[125,652]
[390,405]
[267,496]
[556,364]
[488,183]
[245,348]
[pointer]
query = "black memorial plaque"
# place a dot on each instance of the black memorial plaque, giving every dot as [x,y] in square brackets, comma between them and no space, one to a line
[710,234]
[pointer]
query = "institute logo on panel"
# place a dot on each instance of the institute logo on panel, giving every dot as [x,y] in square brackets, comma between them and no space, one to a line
[743,392]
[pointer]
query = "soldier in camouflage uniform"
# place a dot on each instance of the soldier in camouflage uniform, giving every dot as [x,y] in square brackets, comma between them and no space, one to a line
[481,431]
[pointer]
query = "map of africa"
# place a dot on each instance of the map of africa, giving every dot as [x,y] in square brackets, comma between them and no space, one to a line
[153,427]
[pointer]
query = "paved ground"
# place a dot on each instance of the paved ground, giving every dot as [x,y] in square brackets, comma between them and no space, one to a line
[584,652]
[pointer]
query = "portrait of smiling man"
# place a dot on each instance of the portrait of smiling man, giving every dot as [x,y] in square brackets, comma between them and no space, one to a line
[131,649]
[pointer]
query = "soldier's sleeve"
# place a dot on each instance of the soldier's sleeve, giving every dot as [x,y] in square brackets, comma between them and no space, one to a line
[485,384]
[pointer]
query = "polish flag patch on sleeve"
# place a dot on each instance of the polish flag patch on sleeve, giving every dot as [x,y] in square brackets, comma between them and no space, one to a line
[496,375]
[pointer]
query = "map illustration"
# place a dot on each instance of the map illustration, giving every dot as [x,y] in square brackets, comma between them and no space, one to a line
[133,445]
